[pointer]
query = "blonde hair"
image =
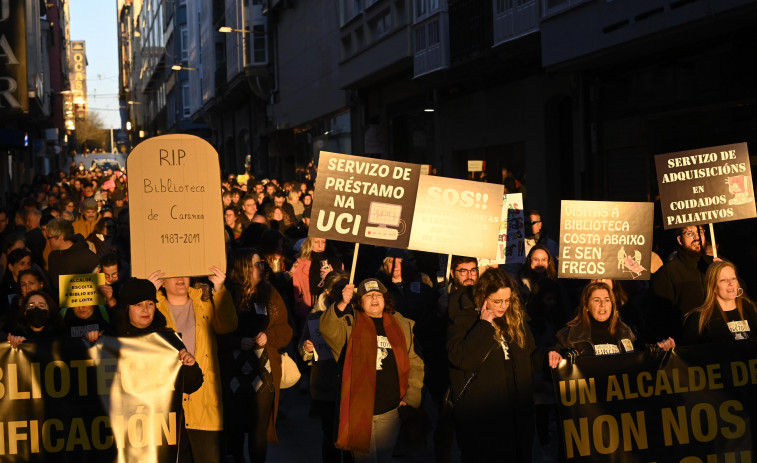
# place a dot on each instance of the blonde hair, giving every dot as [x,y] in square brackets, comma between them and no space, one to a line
[707,309]
[511,326]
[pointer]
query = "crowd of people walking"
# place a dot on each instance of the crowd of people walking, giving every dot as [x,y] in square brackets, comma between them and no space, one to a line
[465,354]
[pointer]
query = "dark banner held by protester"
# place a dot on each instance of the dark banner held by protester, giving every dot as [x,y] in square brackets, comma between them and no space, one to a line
[364,200]
[690,405]
[705,185]
[63,401]
[605,239]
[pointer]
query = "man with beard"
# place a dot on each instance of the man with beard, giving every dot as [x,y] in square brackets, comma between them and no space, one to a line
[679,286]
[463,272]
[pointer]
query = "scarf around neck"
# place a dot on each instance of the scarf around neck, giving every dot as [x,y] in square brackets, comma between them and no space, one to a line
[359,379]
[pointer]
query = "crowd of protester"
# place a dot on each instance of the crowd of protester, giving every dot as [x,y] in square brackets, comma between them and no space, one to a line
[472,348]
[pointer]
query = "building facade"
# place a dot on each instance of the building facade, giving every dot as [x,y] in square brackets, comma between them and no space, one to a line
[34,39]
[573,97]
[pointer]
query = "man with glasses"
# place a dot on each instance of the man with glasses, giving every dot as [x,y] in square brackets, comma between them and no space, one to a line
[249,208]
[463,272]
[679,286]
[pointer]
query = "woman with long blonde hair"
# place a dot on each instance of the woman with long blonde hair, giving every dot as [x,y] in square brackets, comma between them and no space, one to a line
[726,315]
[493,356]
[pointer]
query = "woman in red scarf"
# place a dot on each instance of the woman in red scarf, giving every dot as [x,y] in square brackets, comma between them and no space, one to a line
[381,369]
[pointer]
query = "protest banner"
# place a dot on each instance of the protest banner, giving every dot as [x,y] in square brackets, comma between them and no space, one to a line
[706,185]
[64,401]
[387,203]
[79,290]
[364,200]
[175,212]
[456,217]
[511,245]
[692,405]
[605,239]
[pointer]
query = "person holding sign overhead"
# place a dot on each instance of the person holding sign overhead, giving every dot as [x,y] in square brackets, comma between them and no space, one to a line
[198,319]
[726,315]
[381,373]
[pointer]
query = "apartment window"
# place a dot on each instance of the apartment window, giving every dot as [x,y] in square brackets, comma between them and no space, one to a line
[185,98]
[555,4]
[383,24]
[420,8]
[358,5]
[184,38]
[420,39]
[220,53]
[504,5]
[259,44]
[433,33]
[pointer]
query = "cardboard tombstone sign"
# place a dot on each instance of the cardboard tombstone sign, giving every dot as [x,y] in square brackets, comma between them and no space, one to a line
[706,185]
[604,239]
[175,211]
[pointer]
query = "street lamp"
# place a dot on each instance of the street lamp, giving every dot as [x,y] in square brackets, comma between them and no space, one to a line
[178,67]
[227,29]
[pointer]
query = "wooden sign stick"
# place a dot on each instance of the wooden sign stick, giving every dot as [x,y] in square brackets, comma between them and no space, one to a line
[354,263]
[714,246]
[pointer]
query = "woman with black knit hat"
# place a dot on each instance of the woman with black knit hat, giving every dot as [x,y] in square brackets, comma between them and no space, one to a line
[138,316]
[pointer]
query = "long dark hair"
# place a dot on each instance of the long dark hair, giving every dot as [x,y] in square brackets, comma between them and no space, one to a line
[244,290]
[511,326]
[584,317]
[551,271]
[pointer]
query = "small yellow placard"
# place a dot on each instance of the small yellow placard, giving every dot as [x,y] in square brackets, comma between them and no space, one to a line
[79,290]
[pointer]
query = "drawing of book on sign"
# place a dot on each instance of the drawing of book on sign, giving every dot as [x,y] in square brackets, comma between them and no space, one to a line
[384,215]
[739,187]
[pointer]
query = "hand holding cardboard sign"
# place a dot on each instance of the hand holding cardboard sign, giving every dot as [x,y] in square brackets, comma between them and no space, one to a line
[217,278]
[156,278]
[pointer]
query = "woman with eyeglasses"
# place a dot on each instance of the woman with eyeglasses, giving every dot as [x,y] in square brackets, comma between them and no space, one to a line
[38,319]
[250,359]
[726,315]
[494,348]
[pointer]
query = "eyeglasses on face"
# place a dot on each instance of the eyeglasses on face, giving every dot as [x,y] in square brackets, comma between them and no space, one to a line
[498,302]
[467,271]
[33,305]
